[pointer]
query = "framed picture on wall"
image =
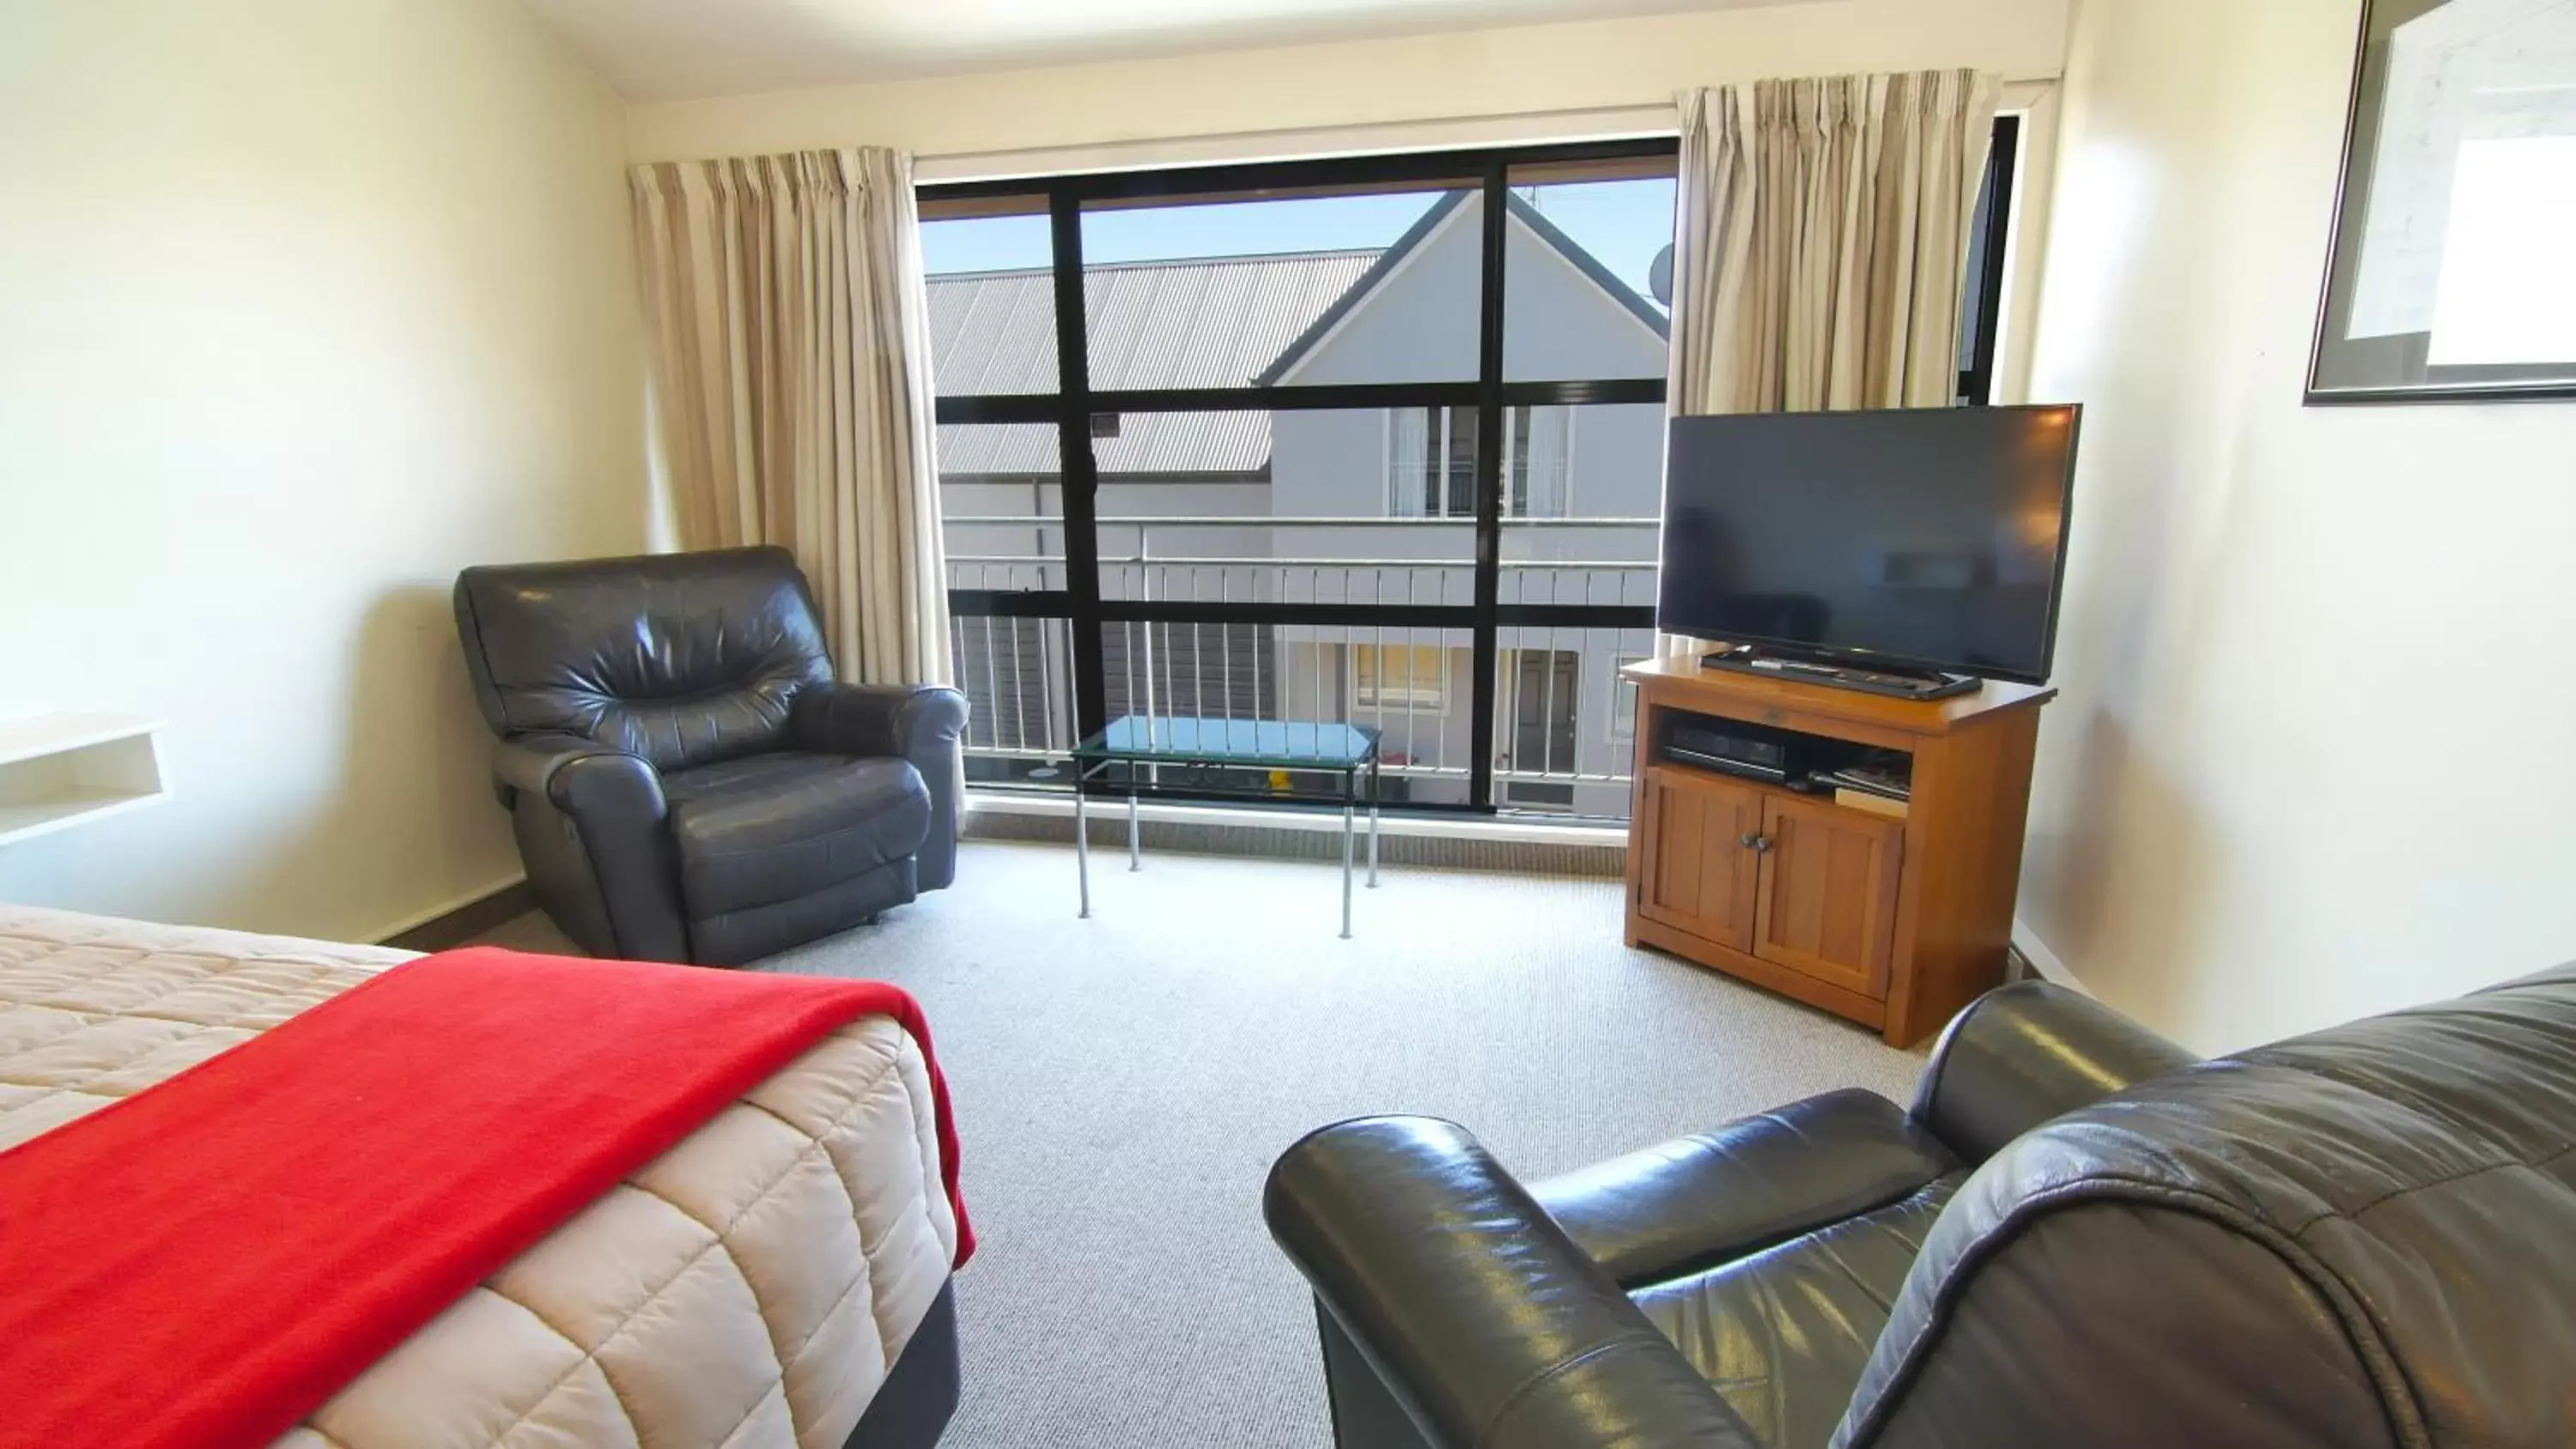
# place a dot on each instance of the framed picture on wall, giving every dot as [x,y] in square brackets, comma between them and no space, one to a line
[2453,271]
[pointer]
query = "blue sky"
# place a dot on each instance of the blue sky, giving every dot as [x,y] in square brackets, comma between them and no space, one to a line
[1623,223]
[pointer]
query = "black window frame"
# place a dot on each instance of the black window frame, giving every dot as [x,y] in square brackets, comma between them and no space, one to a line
[1075,405]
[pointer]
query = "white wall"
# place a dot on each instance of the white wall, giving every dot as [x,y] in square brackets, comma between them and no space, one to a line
[304,304]
[1481,74]
[2315,661]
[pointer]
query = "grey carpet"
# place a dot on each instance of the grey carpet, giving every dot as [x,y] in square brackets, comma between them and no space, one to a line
[1122,1084]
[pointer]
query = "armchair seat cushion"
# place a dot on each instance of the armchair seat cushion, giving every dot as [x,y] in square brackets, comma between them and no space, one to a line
[771,828]
[1785,1335]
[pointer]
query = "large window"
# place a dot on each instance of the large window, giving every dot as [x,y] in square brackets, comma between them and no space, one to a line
[1375,440]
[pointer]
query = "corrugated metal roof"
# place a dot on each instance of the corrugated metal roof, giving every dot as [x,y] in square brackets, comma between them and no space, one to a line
[1216,322]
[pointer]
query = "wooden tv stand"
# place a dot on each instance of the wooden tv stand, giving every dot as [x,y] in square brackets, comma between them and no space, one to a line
[1894,923]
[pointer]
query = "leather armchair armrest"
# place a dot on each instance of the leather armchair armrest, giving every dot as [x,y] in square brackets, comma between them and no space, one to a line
[1476,1313]
[922,723]
[878,719]
[592,828]
[1675,1209]
[2025,1053]
[535,764]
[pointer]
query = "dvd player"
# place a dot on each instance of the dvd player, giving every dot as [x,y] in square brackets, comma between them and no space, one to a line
[1754,751]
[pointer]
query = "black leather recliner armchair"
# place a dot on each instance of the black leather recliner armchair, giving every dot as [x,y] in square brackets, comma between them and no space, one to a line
[687,779]
[2074,1238]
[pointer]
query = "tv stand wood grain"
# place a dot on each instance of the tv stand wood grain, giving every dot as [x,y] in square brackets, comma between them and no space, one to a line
[1895,924]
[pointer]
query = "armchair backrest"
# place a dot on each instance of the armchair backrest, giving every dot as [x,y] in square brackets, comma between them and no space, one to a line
[684,659]
[2352,1238]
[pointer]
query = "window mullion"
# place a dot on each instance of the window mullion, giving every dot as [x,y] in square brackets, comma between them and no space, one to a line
[1488,489]
[1077,471]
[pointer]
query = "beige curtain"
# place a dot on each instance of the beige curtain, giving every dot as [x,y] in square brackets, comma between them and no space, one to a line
[1823,241]
[792,385]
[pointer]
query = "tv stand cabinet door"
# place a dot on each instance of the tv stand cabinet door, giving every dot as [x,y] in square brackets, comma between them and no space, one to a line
[1699,874]
[1828,903]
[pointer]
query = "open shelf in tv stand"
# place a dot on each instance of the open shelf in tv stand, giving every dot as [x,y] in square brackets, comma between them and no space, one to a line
[1895,924]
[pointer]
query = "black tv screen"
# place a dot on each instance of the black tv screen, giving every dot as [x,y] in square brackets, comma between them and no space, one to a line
[1927,539]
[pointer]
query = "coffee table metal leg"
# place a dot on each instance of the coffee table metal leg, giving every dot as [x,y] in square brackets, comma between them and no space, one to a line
[1374,790]
[1081,847]
[1348,812]
[1135,842]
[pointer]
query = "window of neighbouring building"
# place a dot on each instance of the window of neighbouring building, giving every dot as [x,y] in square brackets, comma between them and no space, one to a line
[1431,462]
[1400,676]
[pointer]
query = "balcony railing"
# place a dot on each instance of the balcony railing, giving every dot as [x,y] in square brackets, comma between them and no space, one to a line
[1560,711]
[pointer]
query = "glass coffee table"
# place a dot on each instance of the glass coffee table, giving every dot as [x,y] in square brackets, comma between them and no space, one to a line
[1140,741]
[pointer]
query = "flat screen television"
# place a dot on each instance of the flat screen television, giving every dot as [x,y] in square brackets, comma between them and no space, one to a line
[1929,539]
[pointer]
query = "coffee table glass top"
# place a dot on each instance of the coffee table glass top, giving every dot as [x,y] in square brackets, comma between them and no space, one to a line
[1269,744]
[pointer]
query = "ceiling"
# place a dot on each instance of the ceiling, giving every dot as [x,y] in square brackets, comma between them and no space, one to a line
[660,50]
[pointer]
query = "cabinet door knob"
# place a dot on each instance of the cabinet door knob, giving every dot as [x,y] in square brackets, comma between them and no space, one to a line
[1750,841]
[1762,844]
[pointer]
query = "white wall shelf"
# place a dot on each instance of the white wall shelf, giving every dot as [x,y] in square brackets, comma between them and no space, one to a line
[68,768]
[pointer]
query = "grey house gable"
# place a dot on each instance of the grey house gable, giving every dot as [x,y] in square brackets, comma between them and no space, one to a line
[1446,226]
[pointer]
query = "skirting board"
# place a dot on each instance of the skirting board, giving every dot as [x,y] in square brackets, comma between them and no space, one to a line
[2043,960]
[462,919]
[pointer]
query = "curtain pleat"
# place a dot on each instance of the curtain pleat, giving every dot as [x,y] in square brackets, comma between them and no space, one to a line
[790,332]
[1821,245]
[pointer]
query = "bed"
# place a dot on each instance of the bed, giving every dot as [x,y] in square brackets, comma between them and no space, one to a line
[780,1277]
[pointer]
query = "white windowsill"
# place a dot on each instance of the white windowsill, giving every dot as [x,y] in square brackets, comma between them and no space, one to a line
[1531,832]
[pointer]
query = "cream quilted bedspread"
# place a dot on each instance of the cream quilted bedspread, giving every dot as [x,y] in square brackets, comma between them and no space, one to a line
[751,1286]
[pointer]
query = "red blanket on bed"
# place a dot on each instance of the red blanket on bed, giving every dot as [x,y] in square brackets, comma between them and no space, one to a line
[206,1262]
